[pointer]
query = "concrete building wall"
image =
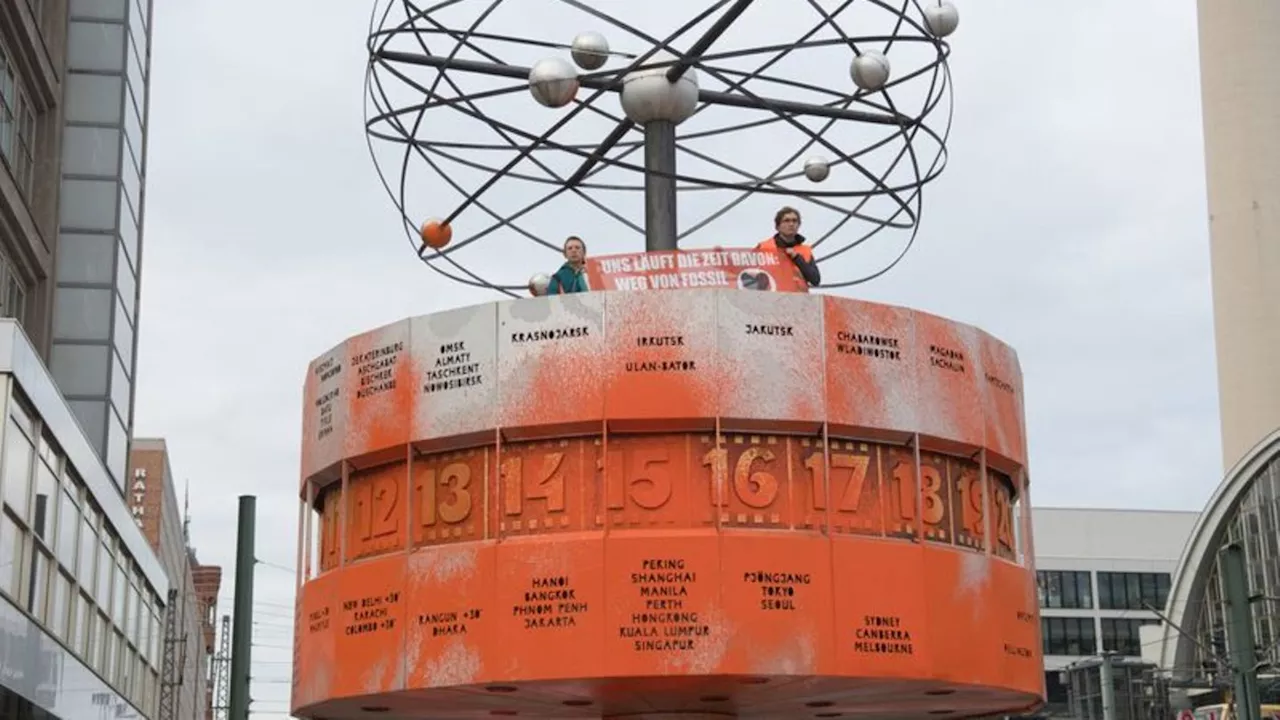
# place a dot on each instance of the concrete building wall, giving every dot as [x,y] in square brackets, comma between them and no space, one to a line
[1241,106]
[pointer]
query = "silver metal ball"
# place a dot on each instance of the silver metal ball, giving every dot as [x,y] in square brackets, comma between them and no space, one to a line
[941,18]
[538,284]
[553,82]
[817,169]
[647,95]
[590,50]
[870,70]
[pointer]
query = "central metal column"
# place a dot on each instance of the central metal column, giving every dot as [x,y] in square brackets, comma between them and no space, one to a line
[659,185]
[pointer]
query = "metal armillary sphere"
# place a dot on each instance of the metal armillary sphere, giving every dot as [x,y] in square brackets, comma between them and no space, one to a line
[513,124]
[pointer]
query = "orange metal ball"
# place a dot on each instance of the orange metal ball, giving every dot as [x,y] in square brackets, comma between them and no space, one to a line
[436,234]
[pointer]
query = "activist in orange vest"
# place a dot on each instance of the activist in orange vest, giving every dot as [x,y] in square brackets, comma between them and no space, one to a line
[789,240]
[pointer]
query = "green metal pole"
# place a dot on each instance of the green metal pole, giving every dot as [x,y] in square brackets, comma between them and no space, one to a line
[242,632]
[1244,653]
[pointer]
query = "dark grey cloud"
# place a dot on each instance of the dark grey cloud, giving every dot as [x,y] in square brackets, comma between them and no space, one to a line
[1070,222]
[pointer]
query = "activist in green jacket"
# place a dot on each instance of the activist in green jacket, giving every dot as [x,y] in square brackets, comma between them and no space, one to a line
[572,276]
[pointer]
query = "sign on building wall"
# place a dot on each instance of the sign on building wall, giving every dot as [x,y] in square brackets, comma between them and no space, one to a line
[137,496]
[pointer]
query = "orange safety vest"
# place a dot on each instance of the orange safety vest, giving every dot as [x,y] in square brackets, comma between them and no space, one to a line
[771,243]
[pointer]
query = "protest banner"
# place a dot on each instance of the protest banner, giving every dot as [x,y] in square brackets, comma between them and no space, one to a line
[742,268]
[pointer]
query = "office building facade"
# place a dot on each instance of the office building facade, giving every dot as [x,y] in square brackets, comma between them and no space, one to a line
[99,222]
[82,594]
[154,505]
[1100,573]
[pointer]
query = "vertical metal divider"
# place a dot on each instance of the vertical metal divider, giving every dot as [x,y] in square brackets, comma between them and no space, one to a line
[408,496]
[304,540]
[988,522]
[919,478]
[602,482]
[343,513]
[1026,541]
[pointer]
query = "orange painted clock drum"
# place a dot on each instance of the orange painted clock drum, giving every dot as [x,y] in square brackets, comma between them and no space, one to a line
[621,503]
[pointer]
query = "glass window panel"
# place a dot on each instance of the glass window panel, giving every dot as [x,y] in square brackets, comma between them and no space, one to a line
[123,330]
[1085,590]
[156,637]
[99,9]
[1133,591]
[92,415]
[117,446]
[119,388]
[1089,638]
[89,204]
[138,24]
[18,452]
[137,81]
[127,285]
[1053,589]
[44,518]
[38,587]
[1070,599]
[1162,589]
[1148,589]
[102,628]
[119,592]
[80,624]
[20,413]
[68,526]
[131,182]
[90,633]
[88,554]
[1072,629]
[135,609]
[94,98]
[81,369]
[59,604]
[129,240]
[82,314]
[90,150]
[112,654]
[85,258]
[102,588]
[11,544]
[133,128]
[95,46]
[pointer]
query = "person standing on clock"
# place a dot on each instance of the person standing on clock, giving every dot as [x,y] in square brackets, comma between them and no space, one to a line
[787,238]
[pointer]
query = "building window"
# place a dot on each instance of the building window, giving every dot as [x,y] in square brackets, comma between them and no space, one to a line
[60,559]
[1121,635]
[1068,636]
[1132,591]
[17,126]
[13,293]
[1064,589]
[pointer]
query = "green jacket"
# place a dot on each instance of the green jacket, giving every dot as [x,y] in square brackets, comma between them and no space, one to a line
[567,280]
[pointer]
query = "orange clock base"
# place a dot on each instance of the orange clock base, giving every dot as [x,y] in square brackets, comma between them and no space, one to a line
[639,621]
[701,503]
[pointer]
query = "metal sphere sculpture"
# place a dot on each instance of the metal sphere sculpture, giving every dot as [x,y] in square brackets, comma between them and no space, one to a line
[687,129]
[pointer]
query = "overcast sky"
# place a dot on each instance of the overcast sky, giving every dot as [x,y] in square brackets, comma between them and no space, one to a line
[1070,222]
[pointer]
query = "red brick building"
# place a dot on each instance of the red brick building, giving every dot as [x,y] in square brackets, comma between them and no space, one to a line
[155,502]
